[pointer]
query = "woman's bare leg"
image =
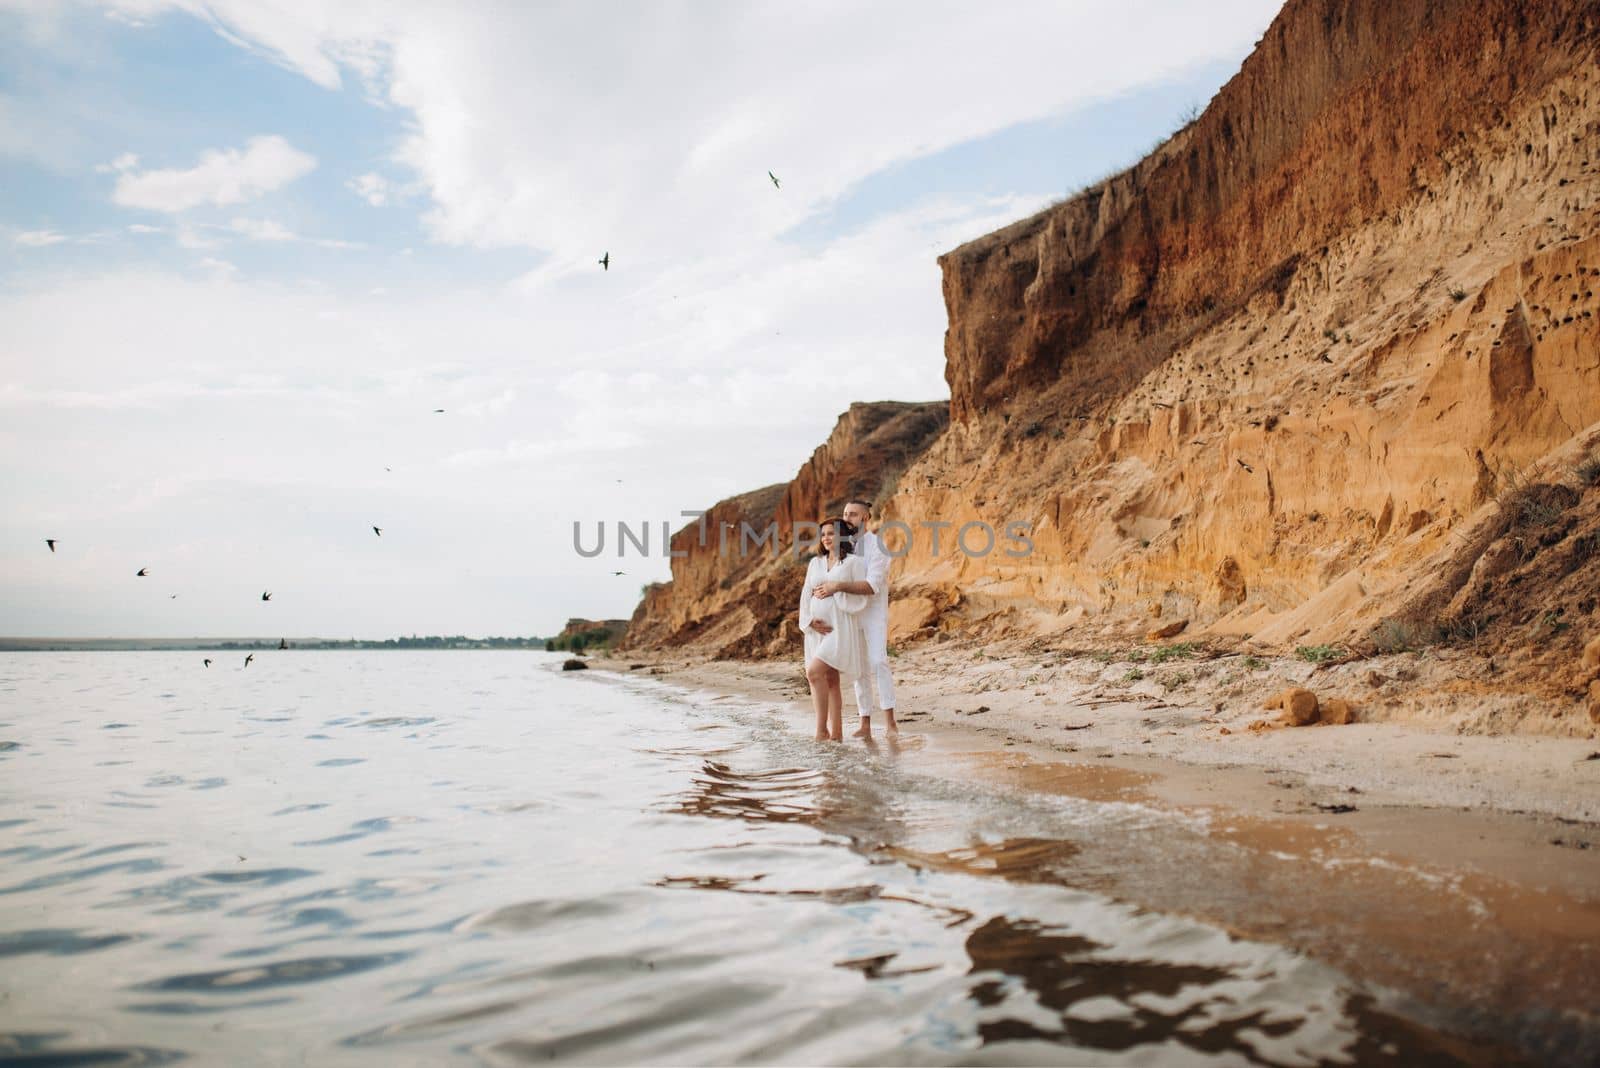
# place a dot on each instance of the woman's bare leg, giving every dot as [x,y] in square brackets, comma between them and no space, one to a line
[817,676]
[835,707]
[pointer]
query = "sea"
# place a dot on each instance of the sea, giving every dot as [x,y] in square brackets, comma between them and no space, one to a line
[475,857]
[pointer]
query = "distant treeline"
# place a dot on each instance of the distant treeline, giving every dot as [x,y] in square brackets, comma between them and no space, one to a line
[432,641]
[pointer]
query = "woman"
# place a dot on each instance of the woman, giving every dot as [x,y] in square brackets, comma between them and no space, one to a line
[835,645]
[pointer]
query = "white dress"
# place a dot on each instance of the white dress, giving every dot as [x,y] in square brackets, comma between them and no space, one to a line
[844,648]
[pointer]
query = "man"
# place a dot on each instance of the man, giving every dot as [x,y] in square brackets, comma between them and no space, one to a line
[874,620]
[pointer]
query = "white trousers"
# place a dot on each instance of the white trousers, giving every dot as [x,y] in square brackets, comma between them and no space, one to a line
[875,625]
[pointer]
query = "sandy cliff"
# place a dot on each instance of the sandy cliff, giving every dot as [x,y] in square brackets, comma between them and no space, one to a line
[580,634]
[1294,377]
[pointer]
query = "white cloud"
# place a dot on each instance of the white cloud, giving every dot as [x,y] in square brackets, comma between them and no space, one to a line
[262,230]
[141,228]
[300,35]
[271,230]
[195,238]
[123,163]
[562,130]
[38,238]
[222,176]
[373,188]
[219,267]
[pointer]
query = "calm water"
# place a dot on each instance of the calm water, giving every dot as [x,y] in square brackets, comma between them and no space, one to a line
[426,858]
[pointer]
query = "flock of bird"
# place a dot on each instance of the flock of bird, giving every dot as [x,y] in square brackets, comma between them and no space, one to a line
[266,595]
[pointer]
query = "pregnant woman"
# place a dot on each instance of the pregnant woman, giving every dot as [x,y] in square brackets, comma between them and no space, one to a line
[835,645]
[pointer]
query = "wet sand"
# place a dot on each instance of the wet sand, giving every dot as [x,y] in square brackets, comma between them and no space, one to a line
[1461,870]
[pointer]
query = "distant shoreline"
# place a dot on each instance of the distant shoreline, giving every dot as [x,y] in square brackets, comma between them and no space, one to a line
[83,645]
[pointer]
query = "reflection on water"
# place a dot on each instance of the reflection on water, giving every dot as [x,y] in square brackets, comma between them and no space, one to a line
[767,796]
[423,858]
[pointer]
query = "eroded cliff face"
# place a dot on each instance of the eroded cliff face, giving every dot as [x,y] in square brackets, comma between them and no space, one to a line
[864,457]
[1286,380]
[733,593]
[1346,113]
[1260,381]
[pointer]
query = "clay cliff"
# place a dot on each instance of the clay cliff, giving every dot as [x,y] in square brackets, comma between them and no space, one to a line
[733,594]
[581,634]
[1294,376]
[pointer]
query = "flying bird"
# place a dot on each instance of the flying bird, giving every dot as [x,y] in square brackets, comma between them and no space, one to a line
[605,261]
[619,572]
[52,543]
[436,411]
[172,597]
[774,178]
[1247,467]
[206,661]
[265,596]
[378,531]
[142,572]
[248,657]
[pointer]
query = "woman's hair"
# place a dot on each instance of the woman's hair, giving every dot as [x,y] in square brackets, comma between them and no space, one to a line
[843,534]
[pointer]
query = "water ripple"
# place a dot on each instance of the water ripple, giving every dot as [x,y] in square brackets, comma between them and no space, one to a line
[49,882]
[280,973]
[57,942]
[43,1048]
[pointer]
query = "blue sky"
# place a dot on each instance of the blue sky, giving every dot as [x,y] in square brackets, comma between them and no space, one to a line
[168,91]
[221,359]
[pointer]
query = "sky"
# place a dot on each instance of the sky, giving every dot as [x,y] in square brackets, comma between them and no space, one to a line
[248,248]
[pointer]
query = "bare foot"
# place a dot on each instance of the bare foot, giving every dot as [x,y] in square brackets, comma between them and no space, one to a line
[822,736]
[862,732]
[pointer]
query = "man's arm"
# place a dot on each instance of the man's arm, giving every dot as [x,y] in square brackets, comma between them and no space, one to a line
[825,589]
[877,564]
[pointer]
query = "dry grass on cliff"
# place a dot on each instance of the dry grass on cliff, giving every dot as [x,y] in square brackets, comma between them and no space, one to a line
[1529,587]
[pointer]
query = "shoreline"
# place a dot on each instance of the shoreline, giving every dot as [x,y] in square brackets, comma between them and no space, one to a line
[1522,809]
[1460,870]
[1081,708]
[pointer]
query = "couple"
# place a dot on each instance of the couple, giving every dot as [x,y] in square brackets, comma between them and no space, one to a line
[844,615]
